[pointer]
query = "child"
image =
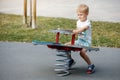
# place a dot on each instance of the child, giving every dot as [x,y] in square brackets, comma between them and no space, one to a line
[83,31]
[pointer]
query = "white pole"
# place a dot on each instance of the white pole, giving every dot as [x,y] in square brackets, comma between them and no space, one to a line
[25,12]
[34,15]
[30,13]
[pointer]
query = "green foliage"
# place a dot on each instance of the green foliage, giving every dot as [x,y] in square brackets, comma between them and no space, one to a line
[104,34]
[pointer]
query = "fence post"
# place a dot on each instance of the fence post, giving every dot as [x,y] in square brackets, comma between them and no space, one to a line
[34,15]
[30,13]
[32,21]
[25,12]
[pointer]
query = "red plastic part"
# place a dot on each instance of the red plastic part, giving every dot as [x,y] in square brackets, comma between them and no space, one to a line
[57,37]
[67,48]
[73,39]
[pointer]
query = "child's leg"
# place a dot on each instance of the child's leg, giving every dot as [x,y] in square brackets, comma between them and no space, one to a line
[83,51]
[91,67]
[71,62]
[84,56]
[68,53]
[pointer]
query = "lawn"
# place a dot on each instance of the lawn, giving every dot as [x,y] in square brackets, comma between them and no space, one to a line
[104,34]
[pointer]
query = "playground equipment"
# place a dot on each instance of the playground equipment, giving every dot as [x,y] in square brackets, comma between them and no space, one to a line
[63,50]
[32,13]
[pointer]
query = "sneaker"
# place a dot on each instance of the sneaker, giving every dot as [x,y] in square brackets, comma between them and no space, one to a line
[71,62]
[91,69]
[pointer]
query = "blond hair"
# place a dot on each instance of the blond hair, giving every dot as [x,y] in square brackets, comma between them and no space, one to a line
[83,8]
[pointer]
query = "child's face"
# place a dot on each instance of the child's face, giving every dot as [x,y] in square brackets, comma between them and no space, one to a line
[82,16]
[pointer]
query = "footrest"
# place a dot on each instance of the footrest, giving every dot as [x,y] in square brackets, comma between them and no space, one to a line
[93,49]
[36,42]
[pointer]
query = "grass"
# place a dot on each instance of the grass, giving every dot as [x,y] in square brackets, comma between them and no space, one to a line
[104,34]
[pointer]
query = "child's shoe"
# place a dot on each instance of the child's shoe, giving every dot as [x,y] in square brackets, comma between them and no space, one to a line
[71,62]
[91,69]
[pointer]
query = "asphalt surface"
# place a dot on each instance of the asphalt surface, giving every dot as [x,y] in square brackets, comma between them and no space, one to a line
[25,61]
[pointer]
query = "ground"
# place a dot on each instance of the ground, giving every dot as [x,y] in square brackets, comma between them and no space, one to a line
[25,61]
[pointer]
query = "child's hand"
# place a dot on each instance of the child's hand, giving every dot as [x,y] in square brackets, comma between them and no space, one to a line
[74,31]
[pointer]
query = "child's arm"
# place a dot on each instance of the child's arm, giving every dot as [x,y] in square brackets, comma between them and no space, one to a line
[68,43]
[76,31]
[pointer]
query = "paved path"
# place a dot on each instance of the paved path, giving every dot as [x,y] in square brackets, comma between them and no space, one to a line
[24,61]
[107,10]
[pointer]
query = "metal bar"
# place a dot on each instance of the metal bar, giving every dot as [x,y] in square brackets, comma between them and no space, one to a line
[25,12]
[57,37]
[30,13]
[73,39]
[34,15]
